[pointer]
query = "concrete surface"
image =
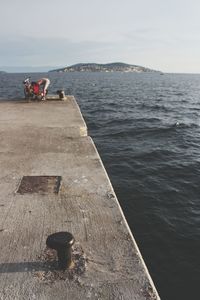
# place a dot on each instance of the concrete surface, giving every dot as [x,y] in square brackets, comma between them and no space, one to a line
[50,139]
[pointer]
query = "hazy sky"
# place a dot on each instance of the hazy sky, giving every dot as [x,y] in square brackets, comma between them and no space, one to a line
[162,35]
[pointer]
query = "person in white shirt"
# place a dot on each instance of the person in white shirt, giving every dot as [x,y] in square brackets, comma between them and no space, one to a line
[44,82]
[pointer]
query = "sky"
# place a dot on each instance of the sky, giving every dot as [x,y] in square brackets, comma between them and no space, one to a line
[45,34]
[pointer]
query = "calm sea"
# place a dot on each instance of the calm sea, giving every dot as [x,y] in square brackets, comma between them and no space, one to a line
[147,130]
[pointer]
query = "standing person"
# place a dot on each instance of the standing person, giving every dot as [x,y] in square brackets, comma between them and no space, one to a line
[44,82]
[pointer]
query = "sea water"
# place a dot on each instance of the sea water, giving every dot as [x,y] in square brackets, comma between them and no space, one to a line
[146,127]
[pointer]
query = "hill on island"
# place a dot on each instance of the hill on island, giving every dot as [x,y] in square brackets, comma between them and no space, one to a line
[111,67]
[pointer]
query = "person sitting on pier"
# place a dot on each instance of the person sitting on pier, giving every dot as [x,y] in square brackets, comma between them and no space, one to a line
[44,82]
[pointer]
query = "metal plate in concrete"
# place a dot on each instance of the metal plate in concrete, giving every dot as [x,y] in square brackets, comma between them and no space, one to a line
[39,184]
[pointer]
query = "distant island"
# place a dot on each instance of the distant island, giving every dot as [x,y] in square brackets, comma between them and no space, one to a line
[111,67]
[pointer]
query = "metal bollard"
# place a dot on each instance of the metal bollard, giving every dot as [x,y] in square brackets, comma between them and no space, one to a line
[61,94]
[62,242]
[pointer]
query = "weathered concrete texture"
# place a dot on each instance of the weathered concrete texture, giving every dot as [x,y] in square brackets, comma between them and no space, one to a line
[43,116]
[50,139]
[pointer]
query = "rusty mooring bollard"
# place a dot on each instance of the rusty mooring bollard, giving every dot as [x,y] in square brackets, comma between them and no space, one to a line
[61,94]
[62,242]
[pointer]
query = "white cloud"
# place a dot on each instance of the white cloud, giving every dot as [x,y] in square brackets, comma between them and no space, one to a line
[63,32]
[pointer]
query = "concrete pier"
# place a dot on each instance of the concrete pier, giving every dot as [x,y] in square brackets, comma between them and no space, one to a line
[52,180]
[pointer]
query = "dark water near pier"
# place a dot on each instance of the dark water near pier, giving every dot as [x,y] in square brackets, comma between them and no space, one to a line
[147,130]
